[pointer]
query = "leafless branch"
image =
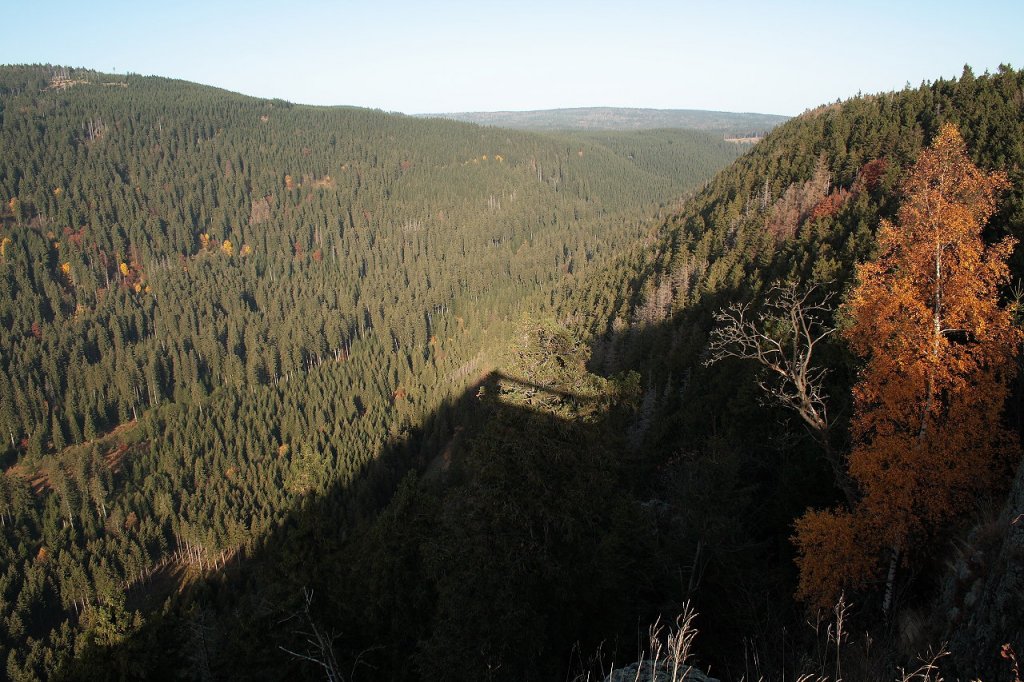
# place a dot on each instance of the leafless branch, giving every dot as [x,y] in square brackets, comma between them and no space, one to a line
[782,337]
[320,645]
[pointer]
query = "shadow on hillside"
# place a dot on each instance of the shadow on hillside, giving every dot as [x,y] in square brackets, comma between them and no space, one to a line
[785,475]
[749,464]
[527,530]
[501,537]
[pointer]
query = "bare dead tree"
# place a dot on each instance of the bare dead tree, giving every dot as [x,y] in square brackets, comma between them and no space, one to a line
[782,337]
[319,644]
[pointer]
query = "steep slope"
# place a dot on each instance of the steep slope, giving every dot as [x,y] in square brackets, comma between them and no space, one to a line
[567,508]
[215,306]
[564,507]
[801,207]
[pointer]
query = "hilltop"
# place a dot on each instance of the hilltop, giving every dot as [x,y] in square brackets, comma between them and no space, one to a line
[732,125]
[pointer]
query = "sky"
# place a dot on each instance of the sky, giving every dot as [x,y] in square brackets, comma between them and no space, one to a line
[478,55]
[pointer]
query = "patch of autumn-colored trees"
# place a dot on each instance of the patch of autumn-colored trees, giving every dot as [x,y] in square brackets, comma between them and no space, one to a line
[939,351]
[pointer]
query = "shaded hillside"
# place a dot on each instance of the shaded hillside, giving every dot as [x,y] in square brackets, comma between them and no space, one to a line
[483,559]
[679,483]
[615,118]
[212,305]
[570,483]
[802,206]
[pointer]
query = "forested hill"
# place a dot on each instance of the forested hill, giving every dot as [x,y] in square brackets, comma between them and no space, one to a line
[617,118]
[292,390]
[214,306]
[604,475]
[736,468]
[139,210]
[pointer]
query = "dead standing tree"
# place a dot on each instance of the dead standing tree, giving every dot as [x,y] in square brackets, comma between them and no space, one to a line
[319,643]
[782,338]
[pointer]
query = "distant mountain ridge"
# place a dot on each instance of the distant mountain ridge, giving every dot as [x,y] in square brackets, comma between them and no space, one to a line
[615,118]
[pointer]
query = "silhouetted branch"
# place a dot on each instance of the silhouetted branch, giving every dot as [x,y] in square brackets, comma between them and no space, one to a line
[782,338]
[320,649]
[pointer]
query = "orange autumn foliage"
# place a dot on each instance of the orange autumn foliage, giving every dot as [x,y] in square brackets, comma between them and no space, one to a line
[939,350]
[838,551]
[830,205]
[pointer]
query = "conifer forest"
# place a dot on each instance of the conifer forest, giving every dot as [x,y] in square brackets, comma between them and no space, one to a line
[307,392]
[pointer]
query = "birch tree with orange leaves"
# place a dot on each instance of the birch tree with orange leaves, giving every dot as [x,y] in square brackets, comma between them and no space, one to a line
[939,352]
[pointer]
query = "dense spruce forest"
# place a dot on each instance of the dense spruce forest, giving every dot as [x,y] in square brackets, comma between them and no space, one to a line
[215,308]
[736,468]
[321,392]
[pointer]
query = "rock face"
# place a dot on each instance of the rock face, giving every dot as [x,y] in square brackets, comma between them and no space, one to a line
[645,671]
[990,609]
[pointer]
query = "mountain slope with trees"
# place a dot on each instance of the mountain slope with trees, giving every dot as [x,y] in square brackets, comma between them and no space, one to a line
[587,487]
[510,480]
[215,306]
[802,210]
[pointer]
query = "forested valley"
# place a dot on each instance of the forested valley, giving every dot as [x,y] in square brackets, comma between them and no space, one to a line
[216,308]
[298,391]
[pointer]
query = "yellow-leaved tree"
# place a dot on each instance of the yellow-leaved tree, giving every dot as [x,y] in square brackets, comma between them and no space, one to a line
[939,351]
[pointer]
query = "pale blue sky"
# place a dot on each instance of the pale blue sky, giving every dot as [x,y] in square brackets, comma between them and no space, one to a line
[417,57]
